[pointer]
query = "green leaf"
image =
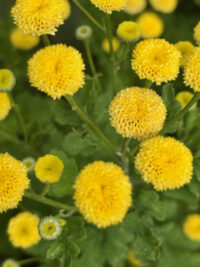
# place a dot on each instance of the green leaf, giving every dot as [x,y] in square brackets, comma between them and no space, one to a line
[168,94]
[55,251]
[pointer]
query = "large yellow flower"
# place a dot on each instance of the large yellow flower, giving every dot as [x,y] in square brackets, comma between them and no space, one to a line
[186,49]
[23,230]
[13,182]
[5,105]
[165,6]
[156,60]
[191,227]
[57,70]
[41,16]
[103,193]
[165,162]
[109,5]
[23,41]
[137,112]
[135,6]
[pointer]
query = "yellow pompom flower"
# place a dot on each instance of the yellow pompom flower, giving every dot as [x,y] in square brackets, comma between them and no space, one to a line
[165,6]
[184,98]
[137,112]
[103,193]
[165,162]
[57,70]
[135,6]
[156,60]
[129,31]
[106,45]
[186,49]
[23,41]
[132,259]
[192,71]
[39,17]
[7,80]
[23,230]
[5,105]
[109,5]
[191,227]
[49,169]
[13,182]
[151,25]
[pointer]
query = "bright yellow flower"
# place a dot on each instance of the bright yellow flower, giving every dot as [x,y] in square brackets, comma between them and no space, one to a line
[23,41]
[191,227]
[129,31]
[197,33]
[5,105]
[10,263]
[106,45]
[135,6]
[49,169]
[103,193]
[39,17]
[184,98]
[165,162]
[132,259]
[50,228]
[186,49]
[151,25]
[137,112]
[23,230]
[156,60]
[7,80]
[165,6]
[109,5]
[57,70]
[13,182]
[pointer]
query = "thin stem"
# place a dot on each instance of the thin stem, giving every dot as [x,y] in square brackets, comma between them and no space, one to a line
[28,261]
[45,39]
[76,2]
[45,190]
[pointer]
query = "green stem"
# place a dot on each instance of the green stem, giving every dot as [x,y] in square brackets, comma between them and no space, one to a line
[76,2]
[148,83]
[45,39]
[45,190]
[10,138]
[28,261]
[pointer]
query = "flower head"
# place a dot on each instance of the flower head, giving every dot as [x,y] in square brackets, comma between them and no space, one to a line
[184,98]
[10,263]
[165,162]
[84,32]
[50,228]
[23,41]
[49,168]
[132,259]
[13,182]
[5,105]
[7,80]
[29,163]
[109,5]
[165,6]
[129,31]
[151,25]
[57,70]
[39,17]
[135,6]
[186,49]
[156,60]
[103,193]
[106,45]
[23,230]
[191,227]
[137,112]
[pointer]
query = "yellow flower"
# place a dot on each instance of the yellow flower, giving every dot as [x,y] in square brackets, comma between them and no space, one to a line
[5,105]
[10,263]
[23,41]
[67,9]
[49,168]
[39,17]
[192,71]
[50,228]
[109,5]
[62,222]
[135,6]
[191,227]
[132,259]
[137,112]
[186,49]
[13,182]
[23,230]
[165,162]
[197,33]
[184,98]
[165,6]
[129,31]
[156,60]
[7,80]
[106,45]
[103,193]
[151,25]
[57,70]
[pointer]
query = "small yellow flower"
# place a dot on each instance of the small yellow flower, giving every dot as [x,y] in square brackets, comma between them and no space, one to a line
[57,70]
[156,60]
[106,45]
[191,227]
[165,162]
[5,105]
[129,31]
[23,41]
[50,228]
[184,98]
[151,25]
[67,9]
[49,168]
[7,80]
[137,112]
[197,33]
[13,182]
[132,259]
[165,6]
[62,222]
[10,263]
[186,49]
[109,5]
[135,6]
[103,193]
[23,230]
